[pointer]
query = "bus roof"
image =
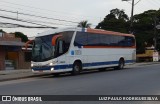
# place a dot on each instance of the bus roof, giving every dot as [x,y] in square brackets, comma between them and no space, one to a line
[58,30]
[99,31]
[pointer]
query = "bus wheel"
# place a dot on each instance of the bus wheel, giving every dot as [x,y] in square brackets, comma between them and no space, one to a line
[76,68]
[120,65]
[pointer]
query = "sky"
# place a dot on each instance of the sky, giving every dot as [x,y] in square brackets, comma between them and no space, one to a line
[64,13]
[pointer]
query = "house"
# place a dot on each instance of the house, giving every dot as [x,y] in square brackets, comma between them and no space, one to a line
[11,54]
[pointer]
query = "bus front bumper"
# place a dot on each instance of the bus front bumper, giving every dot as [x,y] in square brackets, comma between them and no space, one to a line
[51,69]
[47,69]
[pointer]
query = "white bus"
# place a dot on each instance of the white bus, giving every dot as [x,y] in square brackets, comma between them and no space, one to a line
[76,49]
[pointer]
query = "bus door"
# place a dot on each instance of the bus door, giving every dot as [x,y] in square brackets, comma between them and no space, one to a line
[60,52]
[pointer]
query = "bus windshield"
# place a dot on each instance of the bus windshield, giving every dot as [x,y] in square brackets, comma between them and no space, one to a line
[43,50]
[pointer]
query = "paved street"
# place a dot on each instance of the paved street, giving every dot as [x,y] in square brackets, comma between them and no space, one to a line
[139,80]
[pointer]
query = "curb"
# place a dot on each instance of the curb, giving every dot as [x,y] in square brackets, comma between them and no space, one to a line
[148,63]
[39,75]
[22,77]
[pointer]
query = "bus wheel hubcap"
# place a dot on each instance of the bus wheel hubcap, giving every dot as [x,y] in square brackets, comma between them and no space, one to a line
[121,65]
[76,68]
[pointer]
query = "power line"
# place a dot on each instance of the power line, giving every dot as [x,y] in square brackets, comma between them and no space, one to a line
[28,6]
[17,9]
[69,16]
[23,21]
[152,3]
[34,20]
[12,25]
[139,7]
[137,2]
[37,21]
[37,16]
[97,18]
[44,9]
[48,22]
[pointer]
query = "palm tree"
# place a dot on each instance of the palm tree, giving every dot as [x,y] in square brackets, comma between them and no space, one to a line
[84,24]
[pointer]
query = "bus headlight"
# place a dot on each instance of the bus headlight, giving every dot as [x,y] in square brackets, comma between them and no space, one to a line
[52,69]
[51,64]
[32,65]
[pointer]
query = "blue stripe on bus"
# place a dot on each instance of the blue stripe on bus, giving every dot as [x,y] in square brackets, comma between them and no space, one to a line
[100,63]
[41,68]
[58,67]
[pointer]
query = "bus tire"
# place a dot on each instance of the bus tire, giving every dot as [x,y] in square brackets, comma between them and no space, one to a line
[120,65]
[77,67]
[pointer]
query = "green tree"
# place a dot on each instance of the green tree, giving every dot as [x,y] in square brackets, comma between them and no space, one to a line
[2,30]
[22,36]
[119,14]
[84,24]
[143,26]
[115,21]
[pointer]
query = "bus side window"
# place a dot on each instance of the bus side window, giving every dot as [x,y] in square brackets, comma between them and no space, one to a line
[129,41]
[81,39]
[61,47]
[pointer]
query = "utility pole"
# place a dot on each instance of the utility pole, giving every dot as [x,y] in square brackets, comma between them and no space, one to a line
[155,35]
[156,26]
[155,19]
[132,12]
[131,26]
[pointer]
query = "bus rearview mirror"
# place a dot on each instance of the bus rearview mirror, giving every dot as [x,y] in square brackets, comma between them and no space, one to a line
[54,39]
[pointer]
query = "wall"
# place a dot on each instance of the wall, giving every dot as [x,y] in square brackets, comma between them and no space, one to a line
[22,64]
[2,58]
